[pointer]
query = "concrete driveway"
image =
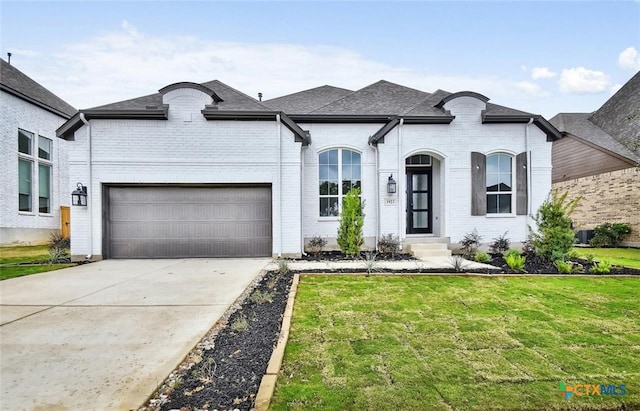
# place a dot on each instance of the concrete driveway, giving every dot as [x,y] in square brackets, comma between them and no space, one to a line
[103,336]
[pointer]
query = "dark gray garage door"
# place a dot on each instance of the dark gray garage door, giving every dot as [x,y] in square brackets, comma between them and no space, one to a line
[177,221]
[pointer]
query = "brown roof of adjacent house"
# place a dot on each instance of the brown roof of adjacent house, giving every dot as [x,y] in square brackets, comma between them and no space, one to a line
[613,127]
[15,82]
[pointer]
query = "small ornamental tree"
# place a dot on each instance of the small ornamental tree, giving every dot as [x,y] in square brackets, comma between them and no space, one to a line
[555,237]
[350,237]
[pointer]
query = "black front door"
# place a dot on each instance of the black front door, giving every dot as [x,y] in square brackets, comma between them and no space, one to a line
[419,201]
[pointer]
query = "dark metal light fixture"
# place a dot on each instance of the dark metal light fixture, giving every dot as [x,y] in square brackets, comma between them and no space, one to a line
[391,185]
[79,196]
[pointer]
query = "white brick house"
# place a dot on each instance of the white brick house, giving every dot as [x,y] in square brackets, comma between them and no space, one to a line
[204,170]
[33,166]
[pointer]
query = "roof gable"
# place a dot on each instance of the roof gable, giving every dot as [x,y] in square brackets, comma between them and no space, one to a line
[579,126]
[620,115]
[15,82]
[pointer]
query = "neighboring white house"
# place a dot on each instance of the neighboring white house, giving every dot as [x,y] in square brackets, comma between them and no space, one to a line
[205,170]
[33,168]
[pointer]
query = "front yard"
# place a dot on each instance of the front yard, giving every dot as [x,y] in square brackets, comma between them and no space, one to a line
[463,343]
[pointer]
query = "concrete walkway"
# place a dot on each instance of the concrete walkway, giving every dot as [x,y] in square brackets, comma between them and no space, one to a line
[103,336]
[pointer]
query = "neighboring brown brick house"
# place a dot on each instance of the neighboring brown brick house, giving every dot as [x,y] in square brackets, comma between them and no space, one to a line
[598,158]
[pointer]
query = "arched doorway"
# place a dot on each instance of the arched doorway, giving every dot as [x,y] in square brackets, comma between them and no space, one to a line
[419,175]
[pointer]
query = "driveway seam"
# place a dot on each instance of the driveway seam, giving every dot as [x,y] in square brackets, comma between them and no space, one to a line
[50,306]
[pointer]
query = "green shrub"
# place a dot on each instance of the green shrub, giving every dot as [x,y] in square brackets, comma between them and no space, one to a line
[515,262]
[388,244]
[500,244]
[58,247]
[609,235]
[315,245]
[512,251]
[590,258]
[554,237]
[483,257]
[350,237]
[470,243]
[566,267]
[572,255]
[601,267]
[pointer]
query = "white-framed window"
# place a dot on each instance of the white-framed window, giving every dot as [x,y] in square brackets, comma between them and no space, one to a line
[340,170]
[500,183]
[34,152]
[25,174]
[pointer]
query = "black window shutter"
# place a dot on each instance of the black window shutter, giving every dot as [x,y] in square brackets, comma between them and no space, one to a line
[521,184]
[478,183]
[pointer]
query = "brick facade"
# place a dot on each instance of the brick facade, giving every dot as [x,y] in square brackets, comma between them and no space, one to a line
[609,197]
[29,227]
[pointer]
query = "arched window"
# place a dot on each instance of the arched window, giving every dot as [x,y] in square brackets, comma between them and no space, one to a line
[339,172]
[499,183]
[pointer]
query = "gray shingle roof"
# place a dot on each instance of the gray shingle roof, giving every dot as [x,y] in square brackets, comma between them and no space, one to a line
[620,115]
[15,82]
[579,125]
[612,125]
[382,97]
[233,100]
[306,101]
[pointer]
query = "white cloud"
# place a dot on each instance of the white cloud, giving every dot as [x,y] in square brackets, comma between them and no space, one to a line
[629,59]
[127,63]
[542,73]
[581,80]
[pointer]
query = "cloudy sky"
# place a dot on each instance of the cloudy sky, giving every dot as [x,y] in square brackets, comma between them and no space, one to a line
[543,57]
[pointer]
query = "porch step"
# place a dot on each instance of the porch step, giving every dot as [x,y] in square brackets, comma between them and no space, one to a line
[422,251]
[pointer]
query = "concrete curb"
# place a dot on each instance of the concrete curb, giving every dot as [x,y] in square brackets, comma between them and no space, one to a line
[268,382]
[399,273]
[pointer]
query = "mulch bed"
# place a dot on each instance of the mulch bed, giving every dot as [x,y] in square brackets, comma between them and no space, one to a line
[225,369]
[537,265]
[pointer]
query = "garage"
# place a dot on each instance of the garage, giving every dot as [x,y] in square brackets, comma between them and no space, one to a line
[187,221]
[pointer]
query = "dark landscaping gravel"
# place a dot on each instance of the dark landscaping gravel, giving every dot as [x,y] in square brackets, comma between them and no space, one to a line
[537,265]
[228,372]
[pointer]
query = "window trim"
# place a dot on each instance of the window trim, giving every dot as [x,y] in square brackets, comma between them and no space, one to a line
[36,161]
[340,194]
[512,192]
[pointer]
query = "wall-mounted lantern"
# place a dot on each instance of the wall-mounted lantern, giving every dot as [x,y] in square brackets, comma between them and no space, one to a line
[79,196]
[391,185]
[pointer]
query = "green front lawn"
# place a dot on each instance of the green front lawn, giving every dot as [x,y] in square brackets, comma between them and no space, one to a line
[25,254]
[627,257]
[462,343]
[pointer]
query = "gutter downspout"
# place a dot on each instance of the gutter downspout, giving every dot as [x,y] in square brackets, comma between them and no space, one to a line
[279,128]
[90,186]
[375,148]
[400,185]
[529,190]
[302,151]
